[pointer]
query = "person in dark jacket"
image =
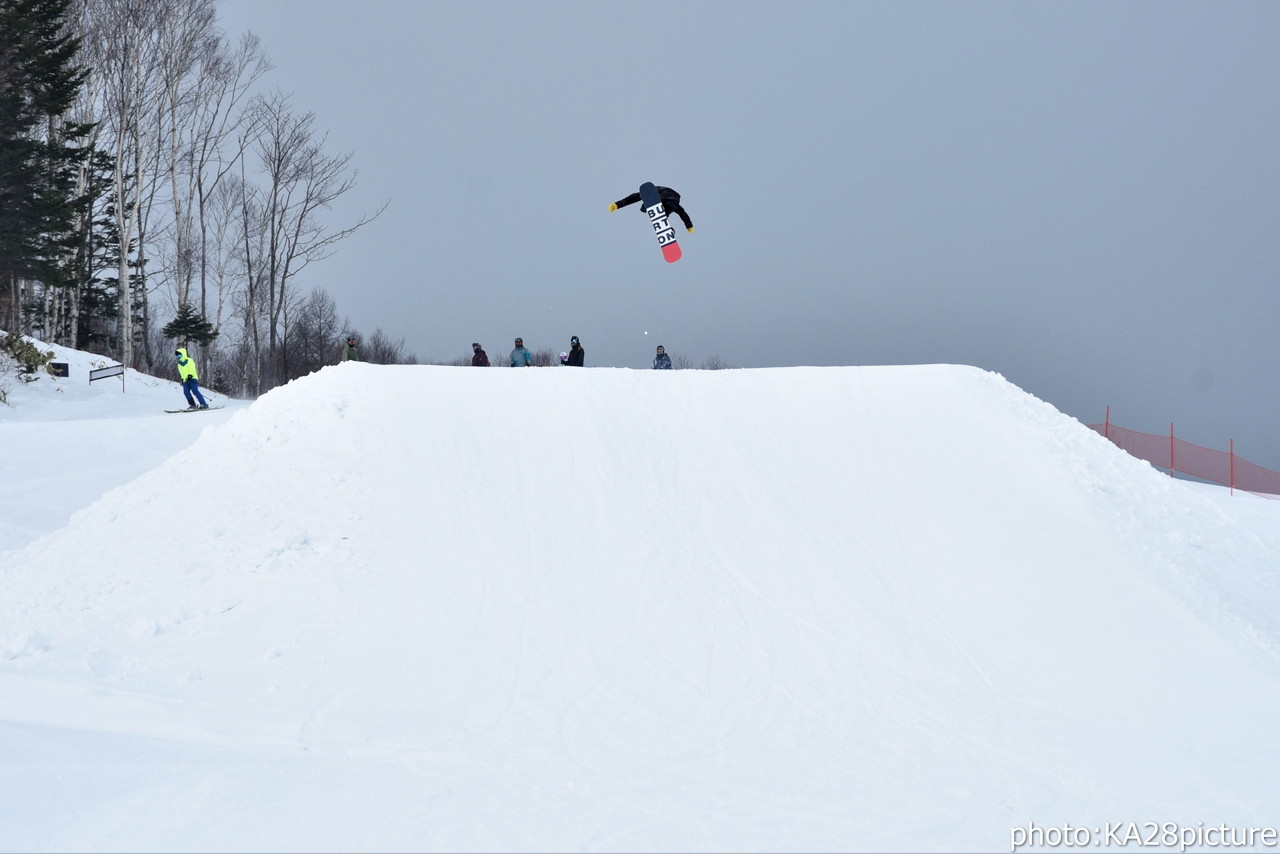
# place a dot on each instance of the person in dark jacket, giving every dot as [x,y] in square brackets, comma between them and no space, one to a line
[479,358]
[662,362]
[576,353]
[670,203]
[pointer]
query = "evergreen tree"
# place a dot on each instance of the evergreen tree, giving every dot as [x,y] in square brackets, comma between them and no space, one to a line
[190,326]
[97,252]
[38,151]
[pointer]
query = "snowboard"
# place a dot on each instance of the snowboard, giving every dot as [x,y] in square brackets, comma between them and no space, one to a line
[652,204]
[184,409]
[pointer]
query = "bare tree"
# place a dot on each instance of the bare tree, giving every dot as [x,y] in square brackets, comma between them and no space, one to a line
[169,93]
[185,38]
[251,248]
[211,149]
[381,350]
[237,363]
[311,342]
[681,362]
[120,47]
[221,256]
[206,83]
[714,363]
[195,223]
[300,180]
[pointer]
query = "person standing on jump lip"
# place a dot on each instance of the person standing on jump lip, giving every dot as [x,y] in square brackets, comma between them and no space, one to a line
[520,356]
[576,353]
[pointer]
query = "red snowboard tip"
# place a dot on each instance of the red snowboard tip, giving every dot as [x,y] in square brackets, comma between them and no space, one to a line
[671,252]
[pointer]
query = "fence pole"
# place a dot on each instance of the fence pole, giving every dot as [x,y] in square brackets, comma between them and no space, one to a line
[1106,425]
[1231,452]
[1170,449]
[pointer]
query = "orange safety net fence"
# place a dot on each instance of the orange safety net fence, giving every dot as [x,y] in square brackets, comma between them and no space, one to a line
[1179,456]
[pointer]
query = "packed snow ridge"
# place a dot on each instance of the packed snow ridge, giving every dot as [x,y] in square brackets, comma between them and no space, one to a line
[435,608]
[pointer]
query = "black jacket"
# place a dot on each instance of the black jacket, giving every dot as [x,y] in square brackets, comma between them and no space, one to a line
[670,202]
[576,354]
[480,359]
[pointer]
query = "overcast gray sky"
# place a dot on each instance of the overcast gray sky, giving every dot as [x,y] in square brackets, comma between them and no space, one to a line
[1082,196]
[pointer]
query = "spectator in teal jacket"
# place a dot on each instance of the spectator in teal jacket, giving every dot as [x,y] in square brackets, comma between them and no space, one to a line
[520,356]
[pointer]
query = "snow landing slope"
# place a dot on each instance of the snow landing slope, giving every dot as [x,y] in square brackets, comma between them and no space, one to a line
[390,608]
[64,441]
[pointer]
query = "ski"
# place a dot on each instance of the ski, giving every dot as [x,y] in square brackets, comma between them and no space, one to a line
[205,409]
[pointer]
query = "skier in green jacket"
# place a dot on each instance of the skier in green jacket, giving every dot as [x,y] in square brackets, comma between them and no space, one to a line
[190,379]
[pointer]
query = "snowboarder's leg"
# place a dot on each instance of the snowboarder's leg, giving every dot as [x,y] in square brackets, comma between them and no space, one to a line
[186,389]
[195,388]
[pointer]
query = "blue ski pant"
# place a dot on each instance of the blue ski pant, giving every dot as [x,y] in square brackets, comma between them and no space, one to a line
[190,387]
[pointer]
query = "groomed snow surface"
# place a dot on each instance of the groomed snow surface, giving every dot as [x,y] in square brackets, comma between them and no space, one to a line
[423,608]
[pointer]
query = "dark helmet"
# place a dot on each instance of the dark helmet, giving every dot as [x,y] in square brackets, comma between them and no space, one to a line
[573,340]
[475,345]
[351,339]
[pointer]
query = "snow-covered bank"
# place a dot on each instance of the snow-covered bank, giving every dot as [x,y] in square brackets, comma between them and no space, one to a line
[54,463]
[428,608]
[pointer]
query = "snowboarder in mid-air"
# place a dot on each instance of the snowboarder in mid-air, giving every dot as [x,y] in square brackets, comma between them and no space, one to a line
[670,201]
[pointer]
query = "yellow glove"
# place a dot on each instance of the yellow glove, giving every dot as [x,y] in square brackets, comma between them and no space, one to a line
[691,229]
[613,206]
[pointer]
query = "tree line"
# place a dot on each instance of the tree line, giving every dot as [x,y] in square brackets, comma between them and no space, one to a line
[149,192]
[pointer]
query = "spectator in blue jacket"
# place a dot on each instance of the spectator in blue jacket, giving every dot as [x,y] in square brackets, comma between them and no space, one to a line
[520,356]
[662,362]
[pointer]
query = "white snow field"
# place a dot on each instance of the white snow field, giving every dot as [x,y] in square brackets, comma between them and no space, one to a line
[415,608]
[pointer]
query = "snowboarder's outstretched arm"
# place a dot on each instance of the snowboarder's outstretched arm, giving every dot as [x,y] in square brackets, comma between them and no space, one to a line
[623,202]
